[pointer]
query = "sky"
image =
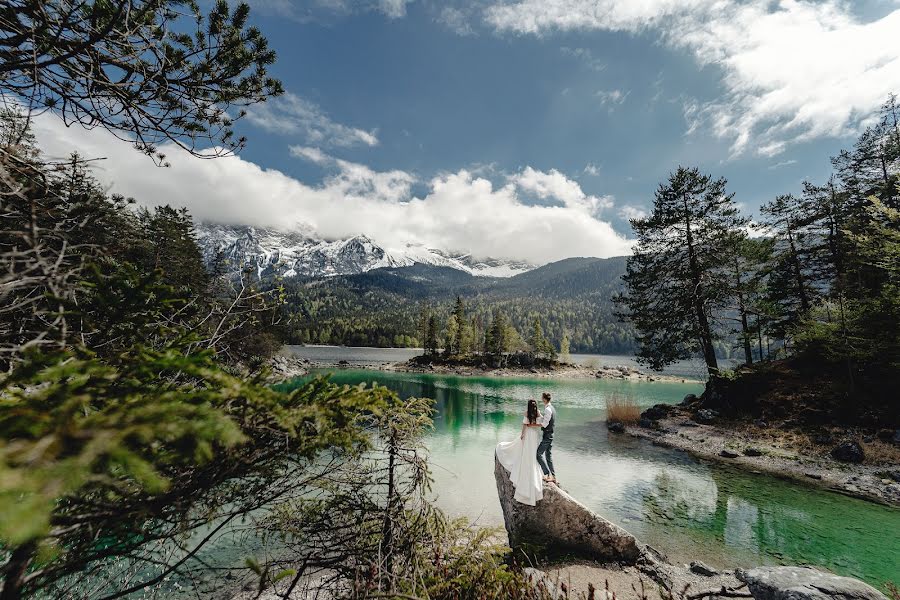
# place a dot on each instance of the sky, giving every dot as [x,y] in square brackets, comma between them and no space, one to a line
[524,129]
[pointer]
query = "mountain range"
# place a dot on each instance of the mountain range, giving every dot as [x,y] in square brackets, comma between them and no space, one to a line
[288,254]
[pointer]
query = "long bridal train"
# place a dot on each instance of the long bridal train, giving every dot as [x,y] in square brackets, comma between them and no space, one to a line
[519,458]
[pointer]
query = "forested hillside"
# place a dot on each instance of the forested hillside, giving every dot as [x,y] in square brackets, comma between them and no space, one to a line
[383,307]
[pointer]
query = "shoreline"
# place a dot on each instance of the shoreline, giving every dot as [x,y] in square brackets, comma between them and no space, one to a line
[288,364]
[744,446]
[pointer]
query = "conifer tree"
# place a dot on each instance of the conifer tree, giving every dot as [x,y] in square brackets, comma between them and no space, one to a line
[673,279]
[431,336]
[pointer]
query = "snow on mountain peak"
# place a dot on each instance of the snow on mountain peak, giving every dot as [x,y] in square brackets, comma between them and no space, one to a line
[293,253]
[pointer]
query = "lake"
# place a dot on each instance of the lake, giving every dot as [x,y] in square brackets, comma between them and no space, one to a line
[687,508]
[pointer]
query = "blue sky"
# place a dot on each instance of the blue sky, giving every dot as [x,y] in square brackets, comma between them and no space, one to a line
[550,121]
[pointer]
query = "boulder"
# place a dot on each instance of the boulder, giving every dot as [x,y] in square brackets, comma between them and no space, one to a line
[804,583]
[701,569]
[752,452]
[616,427]
[560,525]
[848,451]
[646,423]
[690,399]
[705,416]
[728,454]
[761,423]
[657,411]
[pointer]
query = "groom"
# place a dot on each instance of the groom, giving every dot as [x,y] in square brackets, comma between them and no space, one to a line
[548,419]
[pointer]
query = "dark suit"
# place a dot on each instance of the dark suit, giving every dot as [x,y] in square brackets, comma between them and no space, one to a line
[544,451]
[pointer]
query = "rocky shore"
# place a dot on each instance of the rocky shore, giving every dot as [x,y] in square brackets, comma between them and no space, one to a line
[602,556]
[558,371]
[843,460]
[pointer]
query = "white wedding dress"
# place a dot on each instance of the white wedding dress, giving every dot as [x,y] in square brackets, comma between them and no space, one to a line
[519,457]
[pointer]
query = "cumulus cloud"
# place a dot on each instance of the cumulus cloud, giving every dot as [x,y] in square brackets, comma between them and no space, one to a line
[553,185]
[461,211]
[632,212]
[792,70]
[292,115]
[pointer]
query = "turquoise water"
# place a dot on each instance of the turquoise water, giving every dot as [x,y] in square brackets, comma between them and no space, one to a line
[686,508]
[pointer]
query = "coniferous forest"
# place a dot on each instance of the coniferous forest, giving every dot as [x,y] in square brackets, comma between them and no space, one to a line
[140,423]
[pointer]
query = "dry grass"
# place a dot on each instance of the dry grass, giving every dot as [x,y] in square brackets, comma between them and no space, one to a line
[881,453]
[622,409]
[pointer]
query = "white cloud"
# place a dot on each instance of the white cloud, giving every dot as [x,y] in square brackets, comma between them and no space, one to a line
[586,56]
[461,211]
[632,212]
[611,98]
[394,9]
[556,186]
[591,169]
[784,163]
[455,20]
[292,115]
[792,70]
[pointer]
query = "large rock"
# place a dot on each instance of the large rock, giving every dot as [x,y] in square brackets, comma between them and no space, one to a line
[848,451]
[804,583]
[657,411]
[560,525]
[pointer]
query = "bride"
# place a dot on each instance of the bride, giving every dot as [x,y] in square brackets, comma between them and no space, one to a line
[519,457]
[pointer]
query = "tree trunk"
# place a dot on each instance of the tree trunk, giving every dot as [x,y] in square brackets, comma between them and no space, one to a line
[745,328]
[704,332]
[798,274]
[759,337]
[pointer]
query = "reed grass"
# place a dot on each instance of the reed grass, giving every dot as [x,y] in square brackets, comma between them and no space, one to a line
[622,409]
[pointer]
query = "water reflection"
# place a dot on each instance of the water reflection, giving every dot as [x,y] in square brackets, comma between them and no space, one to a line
[687,508]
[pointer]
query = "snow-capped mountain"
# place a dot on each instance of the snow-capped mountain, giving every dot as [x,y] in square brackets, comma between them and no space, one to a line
[289,254]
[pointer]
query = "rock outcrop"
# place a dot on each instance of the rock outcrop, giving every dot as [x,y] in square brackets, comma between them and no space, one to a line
[804,583]
[561,526]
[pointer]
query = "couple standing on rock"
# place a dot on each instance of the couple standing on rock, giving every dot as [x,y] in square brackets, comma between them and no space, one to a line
[530,455]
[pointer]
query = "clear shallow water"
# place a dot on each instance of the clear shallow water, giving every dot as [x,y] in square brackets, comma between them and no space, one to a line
[687,508]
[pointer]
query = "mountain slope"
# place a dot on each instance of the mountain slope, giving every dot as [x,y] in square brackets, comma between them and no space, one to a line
[381,307]
[271,253]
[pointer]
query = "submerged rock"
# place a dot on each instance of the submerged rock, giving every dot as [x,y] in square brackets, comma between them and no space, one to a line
[560,525]
[804,583]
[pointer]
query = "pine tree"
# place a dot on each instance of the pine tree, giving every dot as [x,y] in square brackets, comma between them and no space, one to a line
[431,336]
[790,222]
[673,279]
[451,339]
[564,355]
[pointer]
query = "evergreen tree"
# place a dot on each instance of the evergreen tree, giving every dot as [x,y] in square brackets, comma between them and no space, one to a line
[673,279]
[564,355]
[179,75]
[791,223]
[452,336]
[431,337]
